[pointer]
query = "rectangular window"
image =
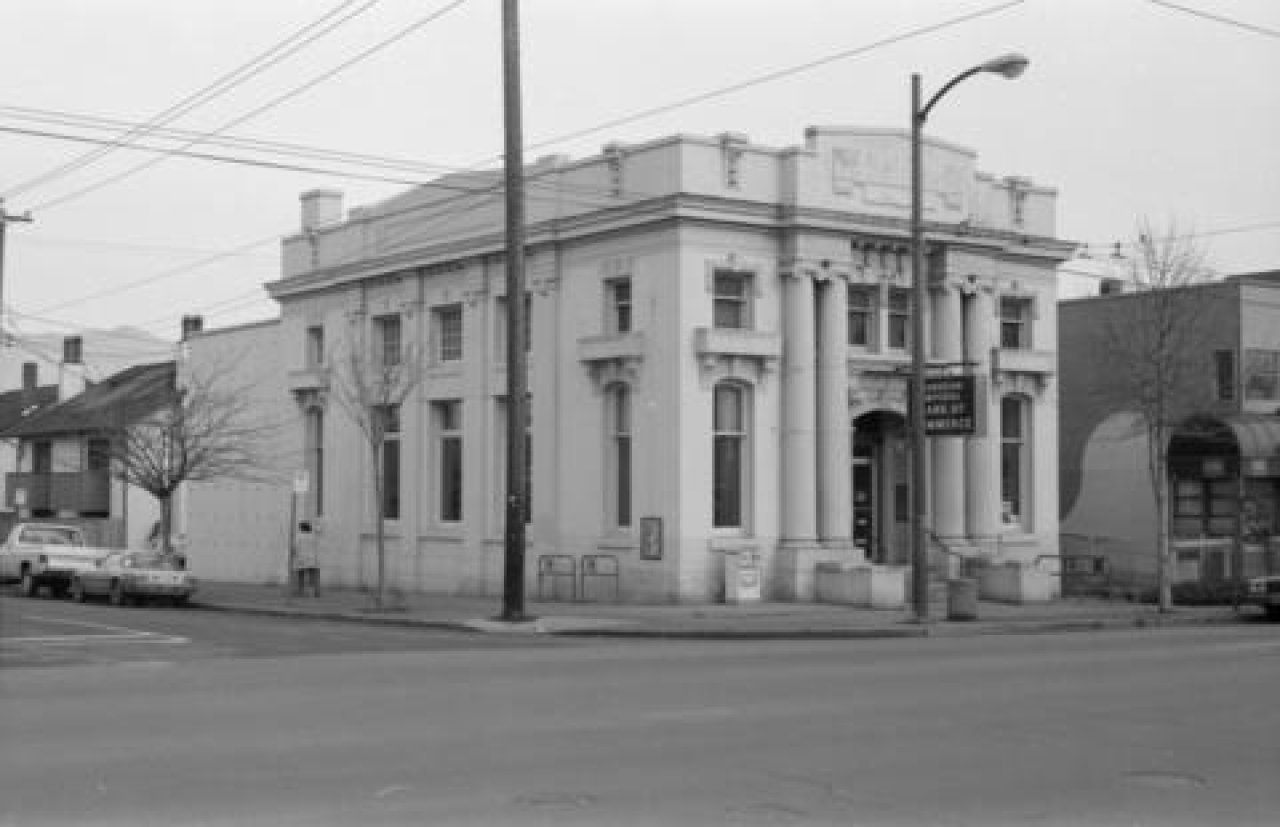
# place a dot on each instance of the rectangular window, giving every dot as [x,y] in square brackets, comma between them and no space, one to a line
[315,346]
[620,454]
[448,332]
[390,425]
[619,293]
[99,455]
[1262,374]
[1015,323]
[728,455]
[1013,458]
[315,462]
[449,422]
[1224,366]
[899,319]
[387,340]
[863,303]
[731,299]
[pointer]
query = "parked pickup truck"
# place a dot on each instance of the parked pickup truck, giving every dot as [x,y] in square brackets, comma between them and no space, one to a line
[1264,592]
[40,555]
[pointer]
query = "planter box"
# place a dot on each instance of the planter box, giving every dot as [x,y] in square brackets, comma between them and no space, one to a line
[1017,583]
[858,584]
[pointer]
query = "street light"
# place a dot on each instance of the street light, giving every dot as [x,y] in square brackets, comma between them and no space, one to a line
[1009,66]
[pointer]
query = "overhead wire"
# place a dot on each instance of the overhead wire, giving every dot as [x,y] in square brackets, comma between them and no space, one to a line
[1217,18]
[271,104]
[296,41]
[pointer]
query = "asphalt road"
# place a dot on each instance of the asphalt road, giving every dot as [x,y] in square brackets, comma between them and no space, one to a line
[42,632]
[258,724]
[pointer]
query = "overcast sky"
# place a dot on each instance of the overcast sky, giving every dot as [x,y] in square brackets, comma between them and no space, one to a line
[1130,108]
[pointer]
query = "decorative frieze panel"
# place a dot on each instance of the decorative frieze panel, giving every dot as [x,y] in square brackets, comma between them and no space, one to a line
[880,389]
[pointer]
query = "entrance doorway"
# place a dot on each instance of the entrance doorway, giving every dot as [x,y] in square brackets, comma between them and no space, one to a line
[881,501]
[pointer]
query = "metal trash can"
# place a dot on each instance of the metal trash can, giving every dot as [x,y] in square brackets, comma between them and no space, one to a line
[962,599]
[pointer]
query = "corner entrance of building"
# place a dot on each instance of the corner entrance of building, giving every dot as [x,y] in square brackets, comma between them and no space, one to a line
[881,503]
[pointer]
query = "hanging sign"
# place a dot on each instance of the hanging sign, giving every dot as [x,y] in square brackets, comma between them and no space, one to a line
[949,405]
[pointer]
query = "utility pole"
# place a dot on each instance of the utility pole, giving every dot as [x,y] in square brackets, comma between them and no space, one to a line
[5,218]
[517,381]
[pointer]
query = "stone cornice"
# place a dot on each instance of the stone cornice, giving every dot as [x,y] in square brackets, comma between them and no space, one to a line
[677,207]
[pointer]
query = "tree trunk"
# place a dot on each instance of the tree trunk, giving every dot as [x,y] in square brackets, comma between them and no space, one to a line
[379,527]
[1164,587]
[166,523]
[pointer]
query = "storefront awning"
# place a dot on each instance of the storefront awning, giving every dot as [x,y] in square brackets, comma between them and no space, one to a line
[1258,438]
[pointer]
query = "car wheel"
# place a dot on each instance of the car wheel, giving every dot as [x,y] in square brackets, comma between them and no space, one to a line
[118,597]
[77,591]
[179,601]
[29,587]
[1273,613]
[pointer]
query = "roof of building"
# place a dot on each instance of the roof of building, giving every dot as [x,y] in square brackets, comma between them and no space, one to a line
[123,397]
[16,406]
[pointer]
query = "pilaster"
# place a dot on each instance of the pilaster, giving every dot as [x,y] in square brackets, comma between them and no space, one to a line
[835,510]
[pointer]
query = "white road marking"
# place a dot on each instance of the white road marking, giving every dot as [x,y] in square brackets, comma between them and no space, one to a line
[114,634]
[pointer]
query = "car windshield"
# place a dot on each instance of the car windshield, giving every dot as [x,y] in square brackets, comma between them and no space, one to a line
[51,535]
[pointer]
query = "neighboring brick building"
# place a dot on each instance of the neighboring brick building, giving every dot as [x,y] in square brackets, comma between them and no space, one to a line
[719,338]
[1223,458]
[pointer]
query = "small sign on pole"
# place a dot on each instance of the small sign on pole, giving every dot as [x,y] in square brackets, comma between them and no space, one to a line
[301,481]
[949,405]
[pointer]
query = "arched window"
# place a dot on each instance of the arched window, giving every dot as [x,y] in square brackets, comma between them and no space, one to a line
[1015,461]
[618,452]
[730,449]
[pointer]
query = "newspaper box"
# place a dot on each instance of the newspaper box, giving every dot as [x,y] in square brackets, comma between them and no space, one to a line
[742,577]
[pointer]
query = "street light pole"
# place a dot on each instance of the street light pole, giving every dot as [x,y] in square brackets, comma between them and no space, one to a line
[1009,66]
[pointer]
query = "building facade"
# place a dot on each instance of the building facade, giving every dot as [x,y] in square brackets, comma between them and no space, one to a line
[1224,452]
[718,354]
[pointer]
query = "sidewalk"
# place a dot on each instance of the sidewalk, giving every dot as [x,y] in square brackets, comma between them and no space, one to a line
[750,621]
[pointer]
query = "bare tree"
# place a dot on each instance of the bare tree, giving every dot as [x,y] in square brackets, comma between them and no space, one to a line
[370,385]
[204,430]
[1153,352]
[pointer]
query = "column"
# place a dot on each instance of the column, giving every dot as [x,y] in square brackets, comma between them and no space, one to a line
[982,472]
[948,478]
[835,507]
[799,392]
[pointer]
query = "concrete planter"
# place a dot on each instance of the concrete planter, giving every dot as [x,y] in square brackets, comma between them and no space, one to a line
[862,585]
[1018,583]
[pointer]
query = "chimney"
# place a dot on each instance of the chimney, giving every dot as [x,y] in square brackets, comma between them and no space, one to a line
[1110,287]
[30,376]
[191,325]
[320,208]
[71,377]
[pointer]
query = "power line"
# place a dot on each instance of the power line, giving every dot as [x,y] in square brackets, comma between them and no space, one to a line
[271,104]
[222,85]
[95,122]
[778,74]
[201,156]
[160,276]
[1217,18]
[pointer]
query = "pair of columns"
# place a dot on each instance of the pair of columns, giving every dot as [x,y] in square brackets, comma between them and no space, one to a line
[817,439]
[964,470]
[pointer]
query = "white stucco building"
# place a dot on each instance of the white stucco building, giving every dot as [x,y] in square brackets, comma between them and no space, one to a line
[718,353]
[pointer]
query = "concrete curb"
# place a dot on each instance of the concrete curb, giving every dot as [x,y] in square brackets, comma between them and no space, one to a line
[570,627]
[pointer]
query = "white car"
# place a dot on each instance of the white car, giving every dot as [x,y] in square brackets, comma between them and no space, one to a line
[128,576]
